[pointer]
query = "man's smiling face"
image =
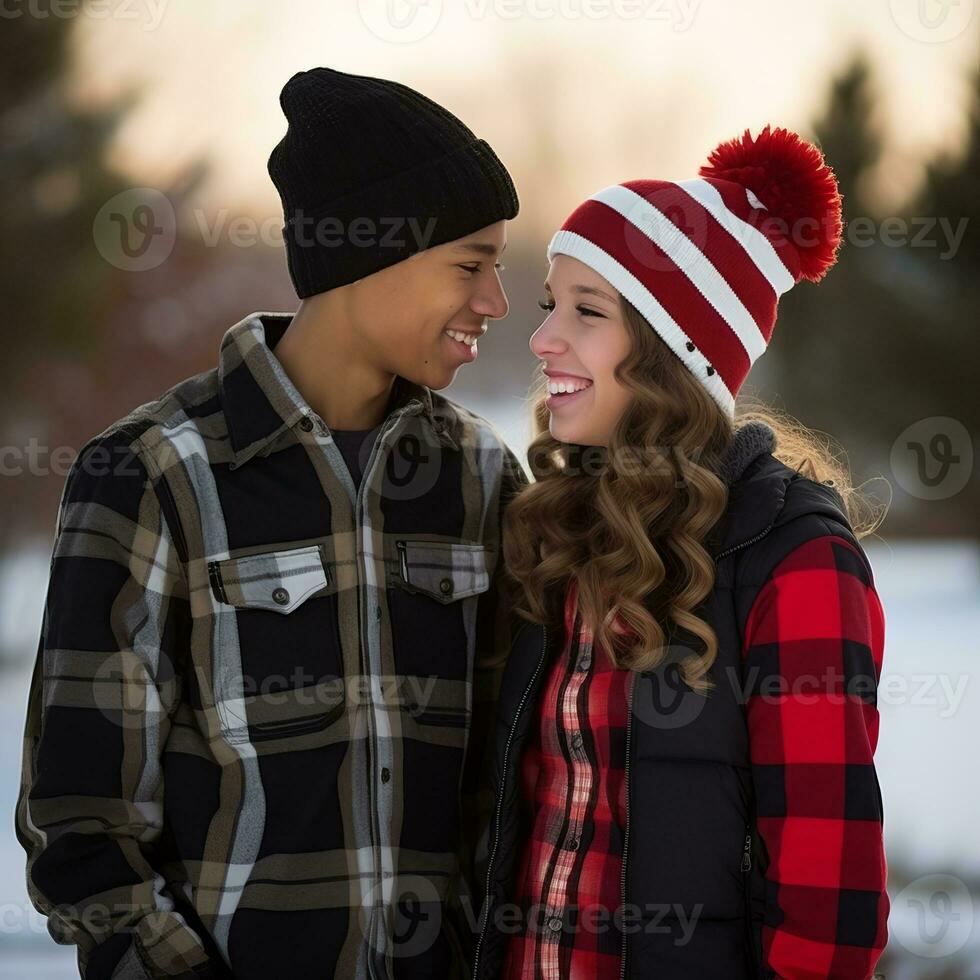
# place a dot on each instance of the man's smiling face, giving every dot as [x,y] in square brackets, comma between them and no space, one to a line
[421,318]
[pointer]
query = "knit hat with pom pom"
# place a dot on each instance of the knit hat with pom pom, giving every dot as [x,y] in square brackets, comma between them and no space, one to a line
[705,260]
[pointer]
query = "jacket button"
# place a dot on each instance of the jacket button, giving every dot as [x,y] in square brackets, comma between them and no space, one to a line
[446,586]
[711,370]
[306,424]
[281,596]
[690,345]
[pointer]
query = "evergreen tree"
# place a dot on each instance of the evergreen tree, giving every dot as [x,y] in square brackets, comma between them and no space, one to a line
[888,337]
[55,182]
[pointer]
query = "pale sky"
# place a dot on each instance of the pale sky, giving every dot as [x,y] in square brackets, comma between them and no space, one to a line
[572,94]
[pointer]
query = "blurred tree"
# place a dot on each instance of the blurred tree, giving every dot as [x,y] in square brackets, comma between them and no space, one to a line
[52,276]
[886,338]
[946,287]
[87,341]
[828,332]
[54,184]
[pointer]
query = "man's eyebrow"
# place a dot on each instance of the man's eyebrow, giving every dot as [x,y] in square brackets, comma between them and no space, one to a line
[481,248]
[589,290]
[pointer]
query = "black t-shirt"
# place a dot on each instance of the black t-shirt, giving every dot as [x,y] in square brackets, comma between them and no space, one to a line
[355,446]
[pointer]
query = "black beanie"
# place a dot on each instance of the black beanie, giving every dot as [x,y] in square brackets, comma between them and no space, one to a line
[371,172]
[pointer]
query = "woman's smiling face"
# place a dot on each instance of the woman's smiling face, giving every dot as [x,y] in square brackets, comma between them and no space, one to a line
[581,341]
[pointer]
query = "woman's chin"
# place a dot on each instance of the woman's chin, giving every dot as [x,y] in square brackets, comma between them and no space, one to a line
[564,431]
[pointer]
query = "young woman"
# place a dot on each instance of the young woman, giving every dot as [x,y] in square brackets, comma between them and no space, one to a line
[683,755]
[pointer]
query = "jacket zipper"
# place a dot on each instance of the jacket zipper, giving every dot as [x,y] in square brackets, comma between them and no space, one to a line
[403,558]
[747,847]
[214,574]
[626,830]
[746,869]
[629,728]
[742,544]
[500,799]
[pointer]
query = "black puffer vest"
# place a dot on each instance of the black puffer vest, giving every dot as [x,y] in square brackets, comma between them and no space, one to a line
[693,863]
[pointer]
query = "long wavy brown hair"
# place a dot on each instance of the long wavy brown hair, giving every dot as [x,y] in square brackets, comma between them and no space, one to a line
[628,522]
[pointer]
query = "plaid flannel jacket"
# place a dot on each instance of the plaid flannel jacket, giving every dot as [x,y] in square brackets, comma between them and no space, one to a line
[812,752]
[252,703]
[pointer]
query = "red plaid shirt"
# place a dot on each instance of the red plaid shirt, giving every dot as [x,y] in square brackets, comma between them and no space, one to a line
[572,773]
[818,616]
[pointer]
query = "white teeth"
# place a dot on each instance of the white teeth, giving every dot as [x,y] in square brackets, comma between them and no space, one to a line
[566,387]
[464,338]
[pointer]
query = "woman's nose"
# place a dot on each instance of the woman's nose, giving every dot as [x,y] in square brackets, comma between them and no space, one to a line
[547,339]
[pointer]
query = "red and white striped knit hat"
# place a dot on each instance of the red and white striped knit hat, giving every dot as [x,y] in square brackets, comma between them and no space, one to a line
[705,260]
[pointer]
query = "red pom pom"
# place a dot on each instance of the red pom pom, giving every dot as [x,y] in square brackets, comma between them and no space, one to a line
[789,176]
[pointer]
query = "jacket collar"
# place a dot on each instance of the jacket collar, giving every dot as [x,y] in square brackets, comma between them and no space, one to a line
[757,493]
[257,396]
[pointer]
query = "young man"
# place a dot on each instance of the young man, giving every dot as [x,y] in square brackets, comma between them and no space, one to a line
[253,697]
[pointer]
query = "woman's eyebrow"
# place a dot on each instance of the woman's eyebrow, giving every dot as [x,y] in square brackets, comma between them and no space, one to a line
[590,290]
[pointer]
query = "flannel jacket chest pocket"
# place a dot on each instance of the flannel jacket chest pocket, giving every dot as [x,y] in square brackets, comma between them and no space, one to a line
[279,687]
[444,570]
[279,581]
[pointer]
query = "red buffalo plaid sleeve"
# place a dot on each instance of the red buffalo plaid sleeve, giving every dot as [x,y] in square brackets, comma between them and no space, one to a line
[813,650]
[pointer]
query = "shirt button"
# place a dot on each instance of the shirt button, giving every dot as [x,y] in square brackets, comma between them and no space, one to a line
[306,423]
[446,586]
[281,596]
[572,844]
[577,740]
[377,613]
[583,664]
[385,774]
[554,924]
